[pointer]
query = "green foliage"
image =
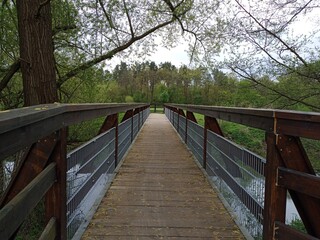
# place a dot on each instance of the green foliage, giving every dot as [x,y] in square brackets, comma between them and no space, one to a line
[164,96]
[250,138]
[129,99]
[298,225]
[33,226]
[84,131]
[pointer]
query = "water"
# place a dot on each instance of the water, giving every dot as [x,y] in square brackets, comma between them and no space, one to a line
[243,215]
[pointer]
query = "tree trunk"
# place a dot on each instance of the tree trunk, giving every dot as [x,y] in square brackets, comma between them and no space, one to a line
[36,52]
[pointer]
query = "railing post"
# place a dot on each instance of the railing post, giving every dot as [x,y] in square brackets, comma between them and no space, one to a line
[132,122]
[139,119]
[116,142]
[56,198]
[178,121]
[275,196]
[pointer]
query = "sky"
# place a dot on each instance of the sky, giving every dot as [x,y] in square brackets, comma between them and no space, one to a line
[178,56]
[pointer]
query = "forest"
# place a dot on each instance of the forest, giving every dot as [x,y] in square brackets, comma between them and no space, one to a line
[256,54]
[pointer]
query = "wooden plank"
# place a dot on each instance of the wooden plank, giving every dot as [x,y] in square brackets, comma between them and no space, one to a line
[33,163]
[15,212]
[301,182]
[128,114]
[285,232]
[212,125]
[50,231]
[275,196]
[295,158]
[160,192]
[294,123]
[56,197]
[191,117]
[20,128]
[258,118]
[110,122]
[300,124]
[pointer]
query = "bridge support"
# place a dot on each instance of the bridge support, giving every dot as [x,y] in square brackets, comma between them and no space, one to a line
[56,197]
[275,195]
[212,125]
[112,122]
[295,158]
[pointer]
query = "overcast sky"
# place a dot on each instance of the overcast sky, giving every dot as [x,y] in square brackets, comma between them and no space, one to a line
[178,55]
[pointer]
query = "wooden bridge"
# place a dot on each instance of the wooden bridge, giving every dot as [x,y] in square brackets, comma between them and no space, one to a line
[160,192]
[160,189]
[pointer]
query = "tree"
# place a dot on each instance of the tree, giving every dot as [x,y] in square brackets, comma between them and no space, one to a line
[262,39]
[36,52]
[92,32]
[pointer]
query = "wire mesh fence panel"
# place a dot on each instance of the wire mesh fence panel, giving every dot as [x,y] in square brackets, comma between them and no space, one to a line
[87,167]
[124,138]
[135,125]
[195,140]
[175,120]
[239,178]
[182,126]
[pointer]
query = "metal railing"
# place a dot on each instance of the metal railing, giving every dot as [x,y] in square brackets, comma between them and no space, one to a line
[66,181]
[89,166]
[247,181]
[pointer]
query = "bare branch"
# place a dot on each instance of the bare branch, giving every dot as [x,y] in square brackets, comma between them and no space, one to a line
[106,14]
[59,29]
[272,33]
[111,53]
[109,19]
[11,71]
[294,16]
[128,17]
[243,73]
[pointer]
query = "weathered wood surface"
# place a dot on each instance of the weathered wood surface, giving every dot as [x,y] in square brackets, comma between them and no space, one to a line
[160,192]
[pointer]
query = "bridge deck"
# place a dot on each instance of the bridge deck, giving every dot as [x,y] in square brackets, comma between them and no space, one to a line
[159,192]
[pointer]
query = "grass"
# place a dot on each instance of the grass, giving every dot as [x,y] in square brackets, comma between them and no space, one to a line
[33,226]
[250,138]
[157,110]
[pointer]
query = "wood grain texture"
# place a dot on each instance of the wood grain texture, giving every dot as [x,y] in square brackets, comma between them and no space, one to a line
[159,193]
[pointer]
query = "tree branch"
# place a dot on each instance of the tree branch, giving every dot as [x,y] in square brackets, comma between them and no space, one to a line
[111,53]
[11,71]
[106,14]
[243,73]
[128,17]
[59,29]
[42,4]
[109,19]
[273,34]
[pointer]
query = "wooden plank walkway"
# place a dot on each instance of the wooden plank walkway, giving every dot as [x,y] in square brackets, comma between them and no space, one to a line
[160,193]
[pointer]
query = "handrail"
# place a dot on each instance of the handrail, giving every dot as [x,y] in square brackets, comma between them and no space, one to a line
[287,166]
[13,214]
[41,132]
[36,122]
[294,123]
